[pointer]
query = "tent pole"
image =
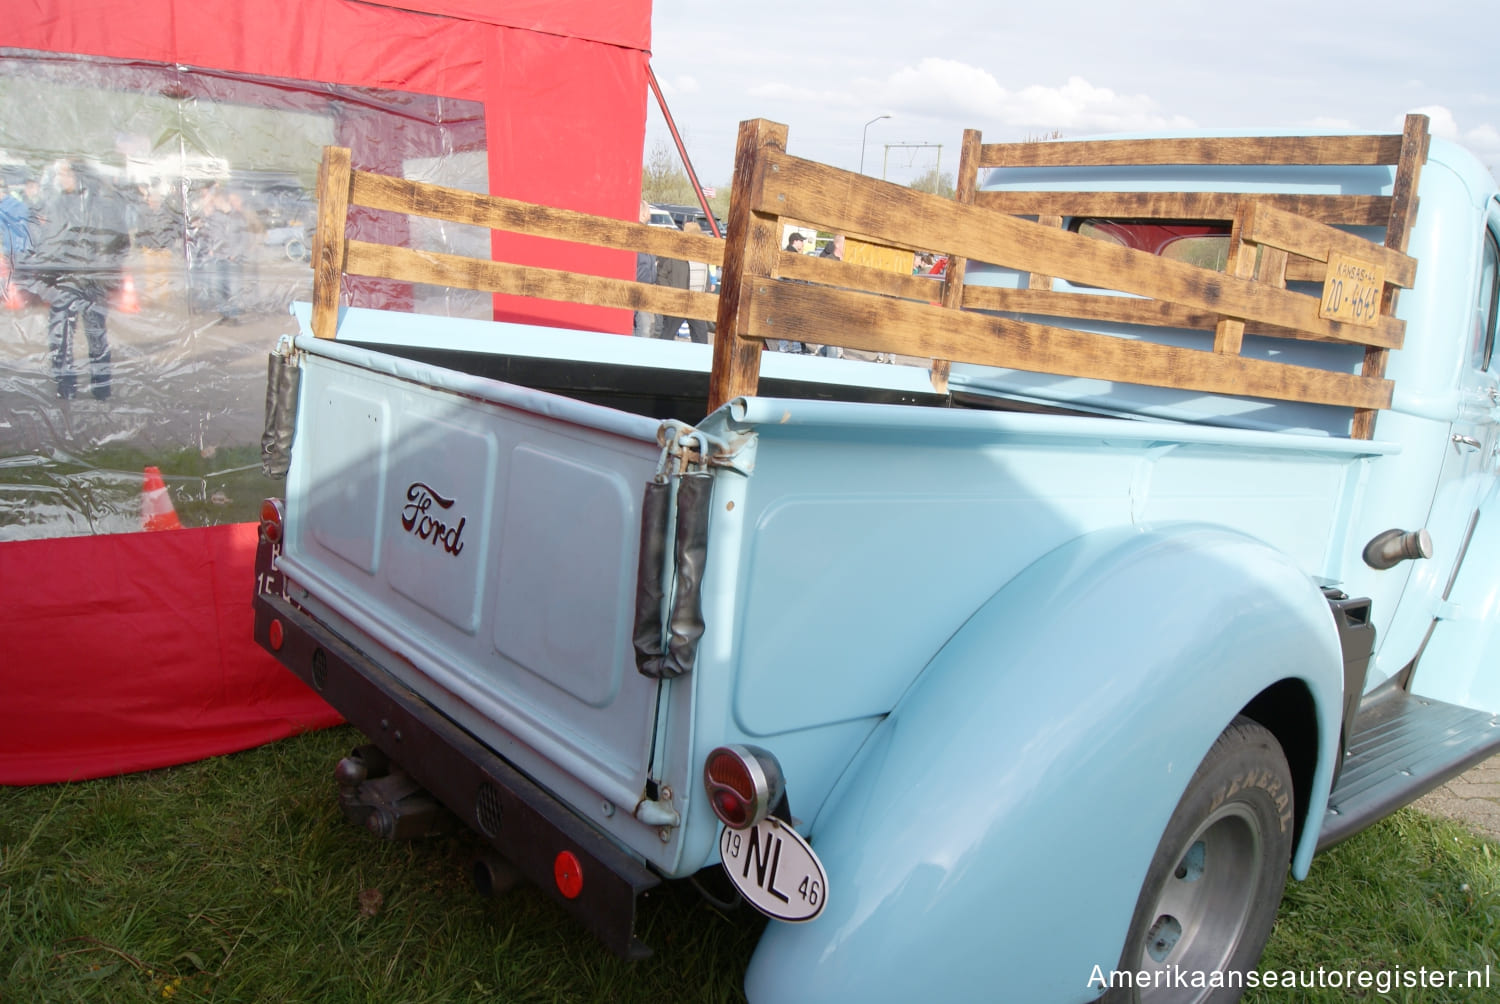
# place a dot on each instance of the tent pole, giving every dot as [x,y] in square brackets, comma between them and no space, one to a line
[713,223]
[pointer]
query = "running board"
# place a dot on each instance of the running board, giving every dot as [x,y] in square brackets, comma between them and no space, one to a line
[1402,747]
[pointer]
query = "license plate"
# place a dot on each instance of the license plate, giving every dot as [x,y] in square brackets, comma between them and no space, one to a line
[775,869]
[1351,291]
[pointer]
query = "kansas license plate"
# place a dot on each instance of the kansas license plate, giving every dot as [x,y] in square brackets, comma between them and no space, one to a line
[1351,291]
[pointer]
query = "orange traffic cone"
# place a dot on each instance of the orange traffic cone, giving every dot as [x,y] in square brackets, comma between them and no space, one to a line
[156,505]
[125,300]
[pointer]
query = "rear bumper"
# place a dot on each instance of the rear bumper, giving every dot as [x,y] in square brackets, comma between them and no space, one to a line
[521,821]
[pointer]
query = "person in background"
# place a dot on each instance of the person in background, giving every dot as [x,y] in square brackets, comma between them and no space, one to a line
[833,249]
[15,224]
[157,227]
[243,233]
[697,283]
[675,274]
[795,243]
[15,240]
[645,271]
[81,241]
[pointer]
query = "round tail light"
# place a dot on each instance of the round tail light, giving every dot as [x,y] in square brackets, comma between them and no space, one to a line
[272,516]
[744,783]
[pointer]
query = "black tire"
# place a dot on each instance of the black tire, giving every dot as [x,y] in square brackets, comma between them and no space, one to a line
[1215,883]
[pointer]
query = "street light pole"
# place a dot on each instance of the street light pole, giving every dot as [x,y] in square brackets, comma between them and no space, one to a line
[862,140]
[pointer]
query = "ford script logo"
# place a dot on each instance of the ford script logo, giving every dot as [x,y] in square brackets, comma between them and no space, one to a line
[417,520]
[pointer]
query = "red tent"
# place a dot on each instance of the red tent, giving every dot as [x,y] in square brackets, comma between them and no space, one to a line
[127,651]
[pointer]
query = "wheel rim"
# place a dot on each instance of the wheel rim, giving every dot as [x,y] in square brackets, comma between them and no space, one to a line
[1203,905]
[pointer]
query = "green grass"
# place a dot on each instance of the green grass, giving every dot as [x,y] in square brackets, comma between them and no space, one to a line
[237,879]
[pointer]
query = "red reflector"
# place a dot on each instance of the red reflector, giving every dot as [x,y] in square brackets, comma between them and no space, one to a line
[731,809]
[568,874]
[277,634]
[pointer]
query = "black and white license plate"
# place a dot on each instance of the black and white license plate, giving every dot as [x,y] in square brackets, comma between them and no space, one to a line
[775,869]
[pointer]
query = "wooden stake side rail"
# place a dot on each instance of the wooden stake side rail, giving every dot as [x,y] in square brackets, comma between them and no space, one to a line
[336,255]
[769,293]
[1274,239]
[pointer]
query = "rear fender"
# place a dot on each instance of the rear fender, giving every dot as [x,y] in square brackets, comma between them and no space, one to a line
[992,836]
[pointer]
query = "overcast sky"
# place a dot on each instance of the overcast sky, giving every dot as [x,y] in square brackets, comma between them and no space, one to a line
[825,68]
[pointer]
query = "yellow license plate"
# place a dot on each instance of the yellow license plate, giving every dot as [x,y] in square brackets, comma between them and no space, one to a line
[1351,291]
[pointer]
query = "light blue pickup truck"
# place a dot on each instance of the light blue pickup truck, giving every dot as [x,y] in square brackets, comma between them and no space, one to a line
[1160,560]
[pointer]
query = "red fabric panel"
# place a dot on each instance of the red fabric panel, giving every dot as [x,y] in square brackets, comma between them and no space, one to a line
[616,23]
[596,108]
[134,651]
[337,41]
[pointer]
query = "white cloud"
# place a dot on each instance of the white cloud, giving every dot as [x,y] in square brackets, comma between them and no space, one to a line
[782,91]
[1483,139]
[680,84]
[949,89]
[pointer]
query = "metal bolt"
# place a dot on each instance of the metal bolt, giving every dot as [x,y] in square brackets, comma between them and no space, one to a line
[398,735]
[384,725]
[666,834]
[607,807]
[666,793]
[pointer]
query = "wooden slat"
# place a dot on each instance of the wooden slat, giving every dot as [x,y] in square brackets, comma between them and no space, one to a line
[1274,150]
[1412,155]
[837,199]
[383,261]
[1346,210]
[1110,309]
[1229,333]
[1269,226]
[329,239]
[1040,280]
[749,259]
[953,273]
[1299,269]
[830,272]
[881,324]
[400,195]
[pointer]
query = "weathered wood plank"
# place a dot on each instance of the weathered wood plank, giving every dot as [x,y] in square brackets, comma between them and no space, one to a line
[1110,309]
[382,261]
[1275,150]
[953,273]
[1229,333]
[881,324]
[1274,228]
[400,195]
[1412,155]
[329,240]
[837,199]
[829,272]
[1347,210]
[749,259]
[1040,280]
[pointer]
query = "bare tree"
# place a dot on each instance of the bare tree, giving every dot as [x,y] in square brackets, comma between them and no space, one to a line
[934,182]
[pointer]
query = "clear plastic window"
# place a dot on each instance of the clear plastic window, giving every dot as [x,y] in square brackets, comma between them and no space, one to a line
[157,223]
